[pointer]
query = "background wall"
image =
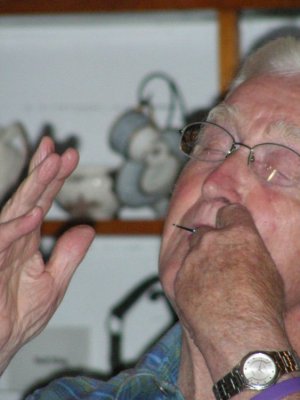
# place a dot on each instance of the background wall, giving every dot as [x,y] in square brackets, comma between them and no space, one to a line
[79,74]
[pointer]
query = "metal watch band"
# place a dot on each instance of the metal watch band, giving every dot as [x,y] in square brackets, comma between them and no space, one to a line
[287,361]
[232,383]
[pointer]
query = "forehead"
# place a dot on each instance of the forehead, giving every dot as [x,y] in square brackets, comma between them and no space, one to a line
[269,93]
[261,106]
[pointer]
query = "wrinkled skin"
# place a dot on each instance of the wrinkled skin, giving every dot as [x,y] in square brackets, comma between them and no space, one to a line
[30,291]
[235,282]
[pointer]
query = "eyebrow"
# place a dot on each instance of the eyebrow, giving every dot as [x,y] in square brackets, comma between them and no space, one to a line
[285,129]
[231,114]
[223,111]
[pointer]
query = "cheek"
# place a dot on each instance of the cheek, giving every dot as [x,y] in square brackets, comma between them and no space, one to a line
[174,244]
[267,213]
[186,193]
[277,218]
[172,254]
[281,236]
[187,189]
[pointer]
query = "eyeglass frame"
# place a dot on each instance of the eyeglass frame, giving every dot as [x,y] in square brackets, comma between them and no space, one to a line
[234,146]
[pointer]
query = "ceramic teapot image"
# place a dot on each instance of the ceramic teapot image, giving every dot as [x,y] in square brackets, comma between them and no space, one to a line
[14,150]
[152,159]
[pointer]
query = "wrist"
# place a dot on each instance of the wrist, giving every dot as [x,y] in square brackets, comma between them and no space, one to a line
[222,353]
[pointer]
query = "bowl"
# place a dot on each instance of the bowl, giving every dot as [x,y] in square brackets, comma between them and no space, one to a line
[89,193]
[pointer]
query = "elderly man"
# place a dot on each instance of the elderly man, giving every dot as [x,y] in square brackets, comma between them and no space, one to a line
[229,260]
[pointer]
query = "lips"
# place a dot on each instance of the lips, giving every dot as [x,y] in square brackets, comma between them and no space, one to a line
[201,215]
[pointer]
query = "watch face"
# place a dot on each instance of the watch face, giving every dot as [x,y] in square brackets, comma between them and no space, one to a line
[259,371]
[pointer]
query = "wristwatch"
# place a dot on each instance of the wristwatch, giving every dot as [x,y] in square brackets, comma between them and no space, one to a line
[257,371]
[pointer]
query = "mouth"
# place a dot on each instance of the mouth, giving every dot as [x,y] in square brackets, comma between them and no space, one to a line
[201,215]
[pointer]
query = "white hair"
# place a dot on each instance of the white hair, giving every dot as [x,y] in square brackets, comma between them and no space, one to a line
[280,57]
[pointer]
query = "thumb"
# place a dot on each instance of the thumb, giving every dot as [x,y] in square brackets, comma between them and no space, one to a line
[68,253]
[234,214]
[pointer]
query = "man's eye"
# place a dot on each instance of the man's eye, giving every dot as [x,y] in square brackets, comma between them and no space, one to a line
[277,164]
[209,153]
[275,176]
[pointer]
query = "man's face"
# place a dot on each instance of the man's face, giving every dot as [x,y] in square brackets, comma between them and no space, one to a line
[254,113]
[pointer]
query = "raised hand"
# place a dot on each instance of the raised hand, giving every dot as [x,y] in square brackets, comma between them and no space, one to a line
[228,292]
[30,290]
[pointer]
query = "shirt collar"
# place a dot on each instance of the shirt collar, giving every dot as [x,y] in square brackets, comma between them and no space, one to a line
[164,357]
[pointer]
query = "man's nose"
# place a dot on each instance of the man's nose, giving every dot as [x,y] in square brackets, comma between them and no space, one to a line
[230,179]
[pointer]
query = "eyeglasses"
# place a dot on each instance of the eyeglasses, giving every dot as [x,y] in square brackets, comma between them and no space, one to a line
[272,162]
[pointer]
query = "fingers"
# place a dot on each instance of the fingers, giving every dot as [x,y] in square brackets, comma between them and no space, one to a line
[48,171]
[68,162]
[67,255]
[31,189]
[45,181]
[18,227]
[47,178]
[199,234]
[229,216]
[234,214]
[45,148]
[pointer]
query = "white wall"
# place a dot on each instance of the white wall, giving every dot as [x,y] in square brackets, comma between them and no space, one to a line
[80,74]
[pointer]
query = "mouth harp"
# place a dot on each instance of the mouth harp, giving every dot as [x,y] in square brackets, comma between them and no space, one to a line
[192,230]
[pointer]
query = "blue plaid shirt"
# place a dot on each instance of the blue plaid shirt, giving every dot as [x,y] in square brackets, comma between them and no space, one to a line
[154,377]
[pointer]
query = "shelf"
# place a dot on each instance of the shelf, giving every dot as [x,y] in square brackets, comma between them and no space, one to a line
[108,227]
[227,14]
[10,7]
[228,41]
